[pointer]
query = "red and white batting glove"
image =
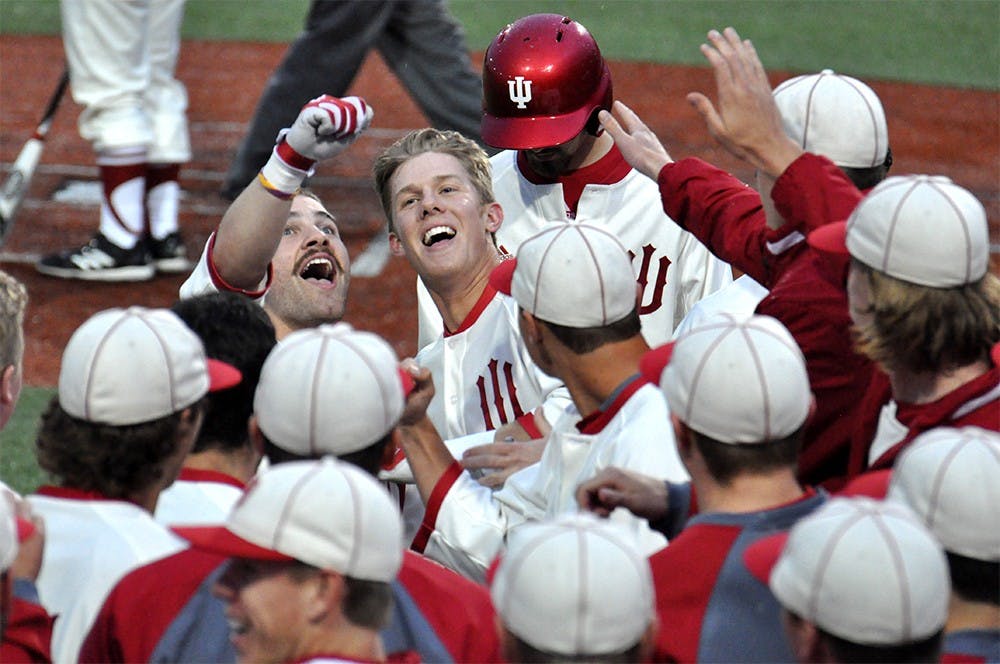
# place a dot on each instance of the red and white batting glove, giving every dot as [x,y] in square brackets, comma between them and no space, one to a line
[325,127]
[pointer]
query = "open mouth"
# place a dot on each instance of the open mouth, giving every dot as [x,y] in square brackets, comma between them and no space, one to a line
[320,268]
[437,234]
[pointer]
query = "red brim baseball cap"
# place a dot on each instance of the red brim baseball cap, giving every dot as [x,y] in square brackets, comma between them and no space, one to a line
[25,529]
[874,484]
[653,362]
[222,375]
[502,276]
[831,239]
[406,380]
[221,540]
[531,133]
[761,556]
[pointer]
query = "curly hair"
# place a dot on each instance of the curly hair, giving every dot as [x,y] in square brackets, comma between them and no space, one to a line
[923,329]
[114,461]
[472,157]
[234,329]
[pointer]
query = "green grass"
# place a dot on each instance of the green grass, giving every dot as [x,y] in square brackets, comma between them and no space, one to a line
[944,42]
[17,457]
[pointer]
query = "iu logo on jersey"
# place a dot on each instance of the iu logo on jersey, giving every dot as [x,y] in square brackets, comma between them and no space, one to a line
[520,91]
[652,290]
[497,410]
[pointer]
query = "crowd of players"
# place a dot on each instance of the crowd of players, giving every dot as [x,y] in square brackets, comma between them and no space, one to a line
[606,448]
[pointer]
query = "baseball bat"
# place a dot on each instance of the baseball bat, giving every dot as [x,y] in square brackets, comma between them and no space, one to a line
[21,172]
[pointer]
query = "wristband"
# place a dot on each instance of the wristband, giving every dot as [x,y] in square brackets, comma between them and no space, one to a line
[274,191]
[282,179]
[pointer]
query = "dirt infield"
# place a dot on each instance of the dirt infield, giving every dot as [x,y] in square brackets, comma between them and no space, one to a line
[932,130]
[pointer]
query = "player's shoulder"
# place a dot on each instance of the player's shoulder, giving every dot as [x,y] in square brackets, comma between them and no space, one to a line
[504,164]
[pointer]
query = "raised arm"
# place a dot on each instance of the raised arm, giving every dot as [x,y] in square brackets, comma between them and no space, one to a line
[251,228]
[747,122]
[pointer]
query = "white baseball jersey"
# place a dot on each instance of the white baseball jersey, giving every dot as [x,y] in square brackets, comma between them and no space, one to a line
[674,269]
[468,523]
[483,379]
[483,375]
[739,297]
[197,498]
[89,545]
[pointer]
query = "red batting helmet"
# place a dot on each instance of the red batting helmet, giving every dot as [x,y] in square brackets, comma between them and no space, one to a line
[543,79]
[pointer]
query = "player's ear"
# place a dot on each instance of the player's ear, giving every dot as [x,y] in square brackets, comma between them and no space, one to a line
[682,434]
[529,326]
[395,246]
[8,391]
[803,636]
[255,434]
[494,217]
[648,640]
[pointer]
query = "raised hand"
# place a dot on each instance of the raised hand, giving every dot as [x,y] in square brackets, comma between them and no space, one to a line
[637,142]
[324,128]
[746,122]
[327,125]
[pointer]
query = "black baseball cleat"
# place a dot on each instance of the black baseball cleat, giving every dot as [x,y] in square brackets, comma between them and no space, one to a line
[169,255]
[100,260]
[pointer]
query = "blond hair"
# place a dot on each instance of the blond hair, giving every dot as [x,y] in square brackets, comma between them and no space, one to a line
[472,157]
[13,302]
[924,329]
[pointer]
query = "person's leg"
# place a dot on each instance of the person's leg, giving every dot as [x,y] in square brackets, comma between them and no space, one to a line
[105,45]
[323,59]
[425,46]
[166,101]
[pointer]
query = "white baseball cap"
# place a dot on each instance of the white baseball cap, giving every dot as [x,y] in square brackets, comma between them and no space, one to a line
[836,116]
[330,390]
[326,513]
[126,366]
[573,586]
[573,275]
[737,378]
[922,229]
[861,569]
[951,479]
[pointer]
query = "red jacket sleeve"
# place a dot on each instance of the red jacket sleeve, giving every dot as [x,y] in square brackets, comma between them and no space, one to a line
[813,192]
[720,210]
[28,637]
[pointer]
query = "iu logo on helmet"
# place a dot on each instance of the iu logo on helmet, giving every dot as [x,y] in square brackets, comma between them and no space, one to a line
[520,91]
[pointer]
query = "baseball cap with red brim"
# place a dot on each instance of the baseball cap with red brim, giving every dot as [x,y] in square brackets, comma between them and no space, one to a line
[574,275]
[330,389]
[830,239]
[921,229]
[861,569]
[653,362]
[761,556]
[126,366]
[221,540]
[502,276]
[328,513]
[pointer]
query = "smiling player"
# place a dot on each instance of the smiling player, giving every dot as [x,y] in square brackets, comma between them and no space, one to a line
[280,240]
[436,191]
